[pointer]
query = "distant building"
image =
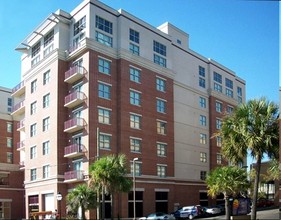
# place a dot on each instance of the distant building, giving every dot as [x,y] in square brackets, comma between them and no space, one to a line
[11,177]
[97,81]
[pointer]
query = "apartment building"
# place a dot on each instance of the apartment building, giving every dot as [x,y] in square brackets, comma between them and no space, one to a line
[11,177]
[97,81]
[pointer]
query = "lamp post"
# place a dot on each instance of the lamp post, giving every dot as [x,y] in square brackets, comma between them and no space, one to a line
[59,198]
[134,185]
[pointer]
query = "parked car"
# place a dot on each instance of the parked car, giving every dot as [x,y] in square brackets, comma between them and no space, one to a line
[212,210]
[221,207]
[186,212]
[158,216]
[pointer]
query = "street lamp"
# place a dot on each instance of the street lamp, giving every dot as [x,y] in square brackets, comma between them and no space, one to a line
[59,198]
[134,186]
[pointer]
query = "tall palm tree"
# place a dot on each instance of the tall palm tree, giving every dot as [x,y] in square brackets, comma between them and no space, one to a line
[251,127]
[108,175]
[229,180]
[81,197]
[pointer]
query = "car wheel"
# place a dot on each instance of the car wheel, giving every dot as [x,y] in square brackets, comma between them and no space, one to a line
[190,217]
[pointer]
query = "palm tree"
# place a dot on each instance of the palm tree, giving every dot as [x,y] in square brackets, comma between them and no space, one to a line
[108,175]
[251,127]
[229,180]
[81,197]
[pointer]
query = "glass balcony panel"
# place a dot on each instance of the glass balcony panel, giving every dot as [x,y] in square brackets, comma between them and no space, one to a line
[74,176]
[18,90]
[74,124]
[74,73]
[74,150]
[74,99]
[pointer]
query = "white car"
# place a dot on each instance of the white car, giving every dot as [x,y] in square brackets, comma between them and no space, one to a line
[212,210]
[158,215]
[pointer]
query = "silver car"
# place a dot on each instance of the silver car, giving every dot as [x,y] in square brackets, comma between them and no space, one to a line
[158,216]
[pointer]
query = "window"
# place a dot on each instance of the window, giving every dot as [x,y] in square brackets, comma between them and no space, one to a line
[35,49]
[103,39]
[218,106]
[46,171]
[134,36]
[161,149]
[9,142]
[229,83]
[103,25]
[202,77]
[229,109]
[219,141]
[134,75]
[104,66]
[9,127]
[161,127]
[32,130]
[160,84]
[229,92]
[135,98]
[104,141]
[239,94]
[203,138]
[218,123]
[137,168]
[135,49]
[10,104]
[104,115]
[46,100]
[217,87]
[33,86]
[33,107]
[219,159]
[203,157]
[203,120]
[135,144]
[159,48]
[49,38]
[159,60]
[9,157]
[46,124]
[46,147]
[46,77]
[202,102]
[79,26]
[33,152]
[104,91]
[161,106]
[135,121]
[161,170]
[203,175]
[33,174]
[217,77]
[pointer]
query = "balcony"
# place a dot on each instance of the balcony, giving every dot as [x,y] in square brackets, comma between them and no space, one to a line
[22,165]
[74,124]
[18,108]
[74,150]
[73,176]
[18,90]
[20,125]
[20,145]
[74,99]
[74,73]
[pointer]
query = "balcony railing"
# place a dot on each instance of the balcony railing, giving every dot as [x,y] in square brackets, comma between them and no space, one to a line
[20,145]
[74,150]
[20,125]
[18,108]
[18,90]
[74,73]
[74,124]
[74,176]
[74,99]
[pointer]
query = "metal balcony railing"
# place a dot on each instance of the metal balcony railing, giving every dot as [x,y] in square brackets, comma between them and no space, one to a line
[74,175]
[74,99]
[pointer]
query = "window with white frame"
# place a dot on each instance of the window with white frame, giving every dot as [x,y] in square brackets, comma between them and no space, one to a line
[135,97]
[10,104]
[9,127]
[46,100]
[103,24]
[9,142]
[203,120]
[229,109]
[135,49]
[135,121]
[33,152]
[46,148]
[103,39]
[229,87]
[202,77]
[219,141]
[79,26]
[217,82]
[219,159]
[33,107]
[135,75]
[203,175]
[218,123]
[218,107]
[35,49]
[137,168]
[33,174]
[46,77]
[33,86]
[203,157]
[49,38]
[104,141]
[104,66]
[202,102]
[160,49]
[161,149]
[104,115]
[46,171]
[161,127]
[104,90]
[203,138]
[161,105]
[159,60]
[33,130]
[135,144]
[161,170]
[161,84]
[134,36]
[9,157]
[46,124]
[239,94]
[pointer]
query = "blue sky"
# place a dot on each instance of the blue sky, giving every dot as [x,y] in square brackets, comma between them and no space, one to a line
[241,35]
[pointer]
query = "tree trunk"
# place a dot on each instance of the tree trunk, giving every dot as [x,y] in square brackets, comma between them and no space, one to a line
[112,205]
[103,203]
[98,203]
[83,212]
[256,188]
[227,207]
